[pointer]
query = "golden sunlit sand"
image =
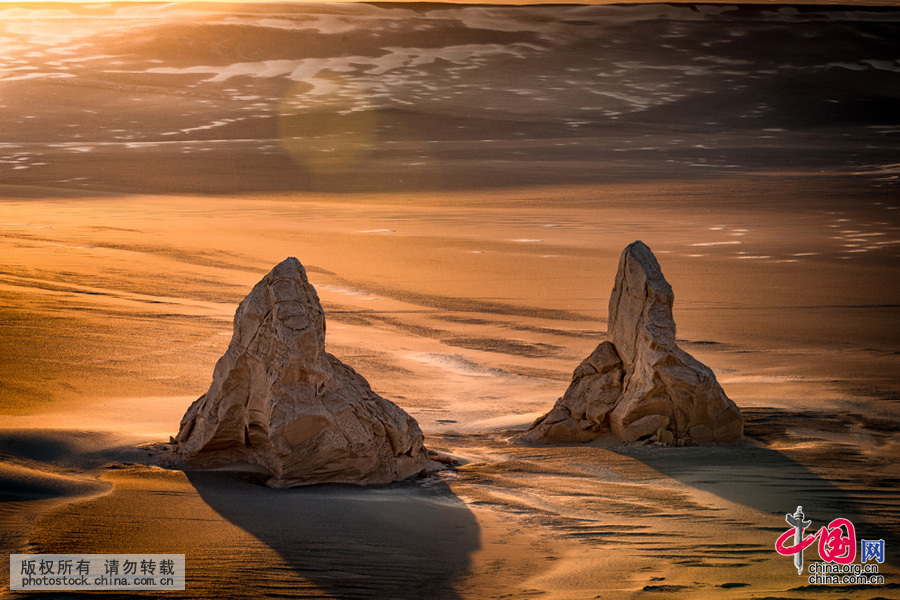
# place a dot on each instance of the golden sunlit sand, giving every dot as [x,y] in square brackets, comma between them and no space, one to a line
[471,317]
[459,184]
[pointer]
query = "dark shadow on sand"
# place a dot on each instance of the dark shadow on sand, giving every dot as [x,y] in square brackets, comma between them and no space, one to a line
[407,540]
[842,485]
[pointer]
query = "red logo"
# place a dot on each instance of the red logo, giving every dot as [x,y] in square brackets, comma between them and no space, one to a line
[837,542]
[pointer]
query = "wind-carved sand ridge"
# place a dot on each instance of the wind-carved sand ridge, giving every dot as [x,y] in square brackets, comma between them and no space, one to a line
[639,384]
[279,401]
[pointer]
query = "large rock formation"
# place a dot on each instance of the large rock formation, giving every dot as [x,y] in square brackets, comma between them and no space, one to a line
[639,385]
[280,401]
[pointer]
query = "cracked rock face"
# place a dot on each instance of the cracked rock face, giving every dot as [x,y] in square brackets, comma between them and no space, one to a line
[639,385]
[278,400]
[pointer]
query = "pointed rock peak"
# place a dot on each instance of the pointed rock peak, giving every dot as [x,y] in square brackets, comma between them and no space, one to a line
[639,386]
[283,310]
[288,282]
[280,401]
[289,268]
[640,306]
[642,262]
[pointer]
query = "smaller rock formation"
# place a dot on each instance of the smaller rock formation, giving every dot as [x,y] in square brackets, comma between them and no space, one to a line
[639,385]
[278,400]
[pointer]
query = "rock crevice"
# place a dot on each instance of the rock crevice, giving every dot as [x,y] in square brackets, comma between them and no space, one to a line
[639,385]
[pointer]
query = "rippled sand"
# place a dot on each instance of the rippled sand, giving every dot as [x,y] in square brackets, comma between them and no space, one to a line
[459,184]
[111,330]
[225,98]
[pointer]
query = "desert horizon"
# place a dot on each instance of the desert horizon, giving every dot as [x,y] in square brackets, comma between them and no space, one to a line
[458,183]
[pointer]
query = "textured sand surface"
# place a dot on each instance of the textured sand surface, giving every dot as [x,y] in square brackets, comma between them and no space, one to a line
[459,184]
[474,333]
[212,98]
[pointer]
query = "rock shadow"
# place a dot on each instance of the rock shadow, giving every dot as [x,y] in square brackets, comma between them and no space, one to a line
[410,539]
[769,481]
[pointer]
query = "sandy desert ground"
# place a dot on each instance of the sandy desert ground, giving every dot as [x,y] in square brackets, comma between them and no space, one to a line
[464,261]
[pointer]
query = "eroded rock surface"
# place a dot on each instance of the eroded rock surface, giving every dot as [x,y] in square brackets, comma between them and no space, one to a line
[639,385]
[278,400]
